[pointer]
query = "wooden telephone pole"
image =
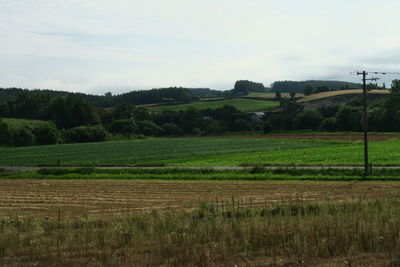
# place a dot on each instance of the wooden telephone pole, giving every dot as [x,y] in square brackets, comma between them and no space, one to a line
[365,119]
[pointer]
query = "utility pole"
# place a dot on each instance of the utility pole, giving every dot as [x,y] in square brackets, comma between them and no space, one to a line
[365,120]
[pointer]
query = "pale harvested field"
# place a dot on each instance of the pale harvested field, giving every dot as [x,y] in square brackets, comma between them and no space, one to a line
[341,92]
[69,198]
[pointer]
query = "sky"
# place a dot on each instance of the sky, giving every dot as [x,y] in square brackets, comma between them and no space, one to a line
[98,46]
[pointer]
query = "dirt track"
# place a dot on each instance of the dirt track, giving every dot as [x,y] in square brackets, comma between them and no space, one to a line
[48,198]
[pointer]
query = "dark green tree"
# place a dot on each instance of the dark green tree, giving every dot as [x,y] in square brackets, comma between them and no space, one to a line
[23,136]
[348,119]
[308,90]
[172,129]
[46,134]
[5,133]
[240,125]
[307,120]
[125,127]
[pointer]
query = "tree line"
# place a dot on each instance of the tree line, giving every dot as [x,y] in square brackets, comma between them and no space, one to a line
[153,96]
[299,86]
[70,119]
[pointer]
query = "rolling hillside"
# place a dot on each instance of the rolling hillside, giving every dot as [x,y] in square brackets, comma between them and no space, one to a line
[242,104]
[338,98]
[342,92]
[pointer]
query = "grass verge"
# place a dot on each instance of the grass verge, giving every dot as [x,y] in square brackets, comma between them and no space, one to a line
[257,173]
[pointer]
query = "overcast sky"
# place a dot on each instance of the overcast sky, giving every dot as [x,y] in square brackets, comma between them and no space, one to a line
[97,46]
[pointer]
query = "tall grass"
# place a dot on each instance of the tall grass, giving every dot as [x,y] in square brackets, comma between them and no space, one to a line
[293,232]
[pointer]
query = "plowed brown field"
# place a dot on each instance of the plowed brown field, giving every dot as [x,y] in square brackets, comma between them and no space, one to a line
[51,198]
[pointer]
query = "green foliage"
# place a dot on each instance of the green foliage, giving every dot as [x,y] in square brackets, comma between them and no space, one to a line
[23,136]
[149,128]
[46,134]
[177,151]
[205,92]
[196,131]
[71,111]
[299,86]
[124,111]
[163,95]
[308,90]
[329,111]
[348,119]
[395,86]
[290,109]
[241,104]
[308,119]
[5,133]
[244,87]
[171,129]
[83,134]
[258,172]
[328,125]
[267,127]
[153,96]
[126,127]
[322,88]
[241,125]
[215,128]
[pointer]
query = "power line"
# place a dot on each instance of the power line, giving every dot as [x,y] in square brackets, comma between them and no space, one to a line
[331,77]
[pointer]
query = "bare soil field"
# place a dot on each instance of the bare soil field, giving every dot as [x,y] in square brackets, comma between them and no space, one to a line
[70,198]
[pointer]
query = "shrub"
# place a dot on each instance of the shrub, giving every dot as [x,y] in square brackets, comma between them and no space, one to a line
[241,125]
[125,127]
[215,128]
[149,128]
[267,127]
[196,131]
[23,137]
[46,134]
[84,134]
[348,119]
[328,125]
[171,129]
[5,133]
[308,119]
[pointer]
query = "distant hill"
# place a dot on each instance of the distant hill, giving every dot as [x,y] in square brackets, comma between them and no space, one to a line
[154,96]
[299,86]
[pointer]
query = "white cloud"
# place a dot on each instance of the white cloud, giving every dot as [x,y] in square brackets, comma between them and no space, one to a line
[84,45]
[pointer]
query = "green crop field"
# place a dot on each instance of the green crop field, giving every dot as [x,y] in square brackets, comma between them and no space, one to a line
[204,152]
[271,95]
[169,151]
[240,103]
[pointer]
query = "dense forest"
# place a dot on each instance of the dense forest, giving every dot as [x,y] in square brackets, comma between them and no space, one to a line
[205,92]
[299,86]
[154,96]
